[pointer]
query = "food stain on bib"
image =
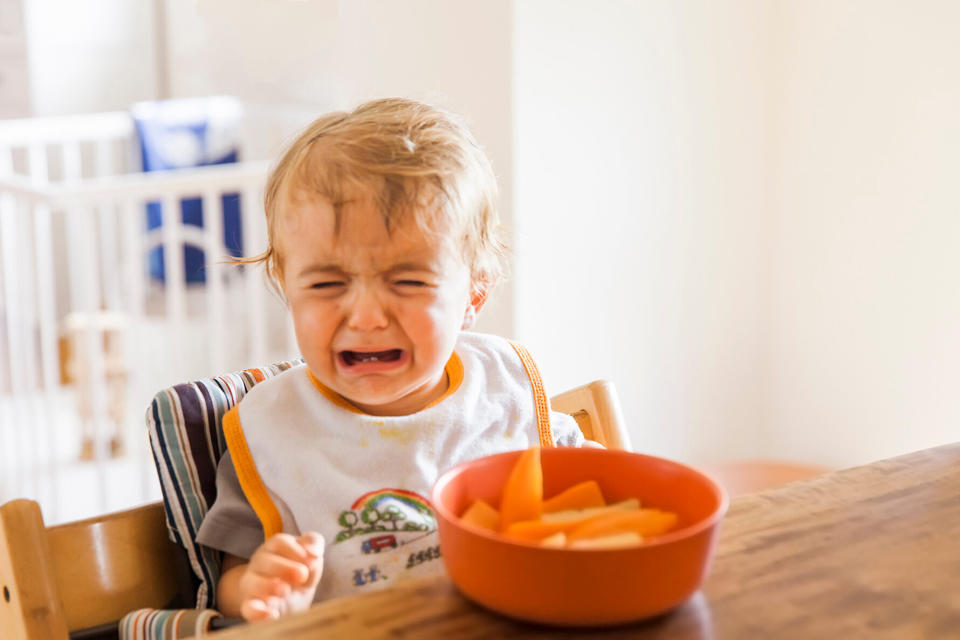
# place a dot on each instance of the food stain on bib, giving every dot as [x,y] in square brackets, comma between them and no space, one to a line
[403,435]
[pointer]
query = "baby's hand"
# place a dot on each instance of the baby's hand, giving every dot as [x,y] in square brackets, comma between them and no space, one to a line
[282,576]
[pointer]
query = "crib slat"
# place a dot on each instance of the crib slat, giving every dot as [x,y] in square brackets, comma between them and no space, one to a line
[8,420]
[253,236]
[133,228]
[92,339]
[72,165]
[6,394]
[6,159]
[39,171]
[14,440]
[43,234]
[174,268]
[37,163]
[105,162]
[30,351]
[133,266]
[109,256]
[213,250]
[81,225]
[105,166]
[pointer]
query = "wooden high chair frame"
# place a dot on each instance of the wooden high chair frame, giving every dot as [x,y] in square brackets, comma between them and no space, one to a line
[59,581]
[84,574]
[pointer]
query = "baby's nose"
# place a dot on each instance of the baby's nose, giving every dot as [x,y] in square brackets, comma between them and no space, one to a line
[367,311]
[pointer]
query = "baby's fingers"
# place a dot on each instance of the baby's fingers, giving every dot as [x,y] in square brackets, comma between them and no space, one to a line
[269,565]
[285,545]
[256,610]
[313,543]
[255,585]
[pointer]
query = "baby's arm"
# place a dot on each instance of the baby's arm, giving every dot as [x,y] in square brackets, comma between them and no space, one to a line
[566,433]
[281,576]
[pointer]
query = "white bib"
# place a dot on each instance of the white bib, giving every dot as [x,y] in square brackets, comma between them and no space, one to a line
[363,481]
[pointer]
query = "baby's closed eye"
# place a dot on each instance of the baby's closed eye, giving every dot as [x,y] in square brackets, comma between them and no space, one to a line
[327,284]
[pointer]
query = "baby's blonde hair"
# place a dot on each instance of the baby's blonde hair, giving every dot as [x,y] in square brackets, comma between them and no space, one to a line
[415,160]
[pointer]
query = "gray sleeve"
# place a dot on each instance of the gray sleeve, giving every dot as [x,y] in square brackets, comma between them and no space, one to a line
[231,525]
[566,433]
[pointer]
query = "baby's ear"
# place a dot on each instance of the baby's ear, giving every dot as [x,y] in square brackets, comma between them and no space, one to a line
[469,317]
[478,297]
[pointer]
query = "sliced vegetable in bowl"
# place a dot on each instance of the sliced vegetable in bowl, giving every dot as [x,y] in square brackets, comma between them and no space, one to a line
[577,517]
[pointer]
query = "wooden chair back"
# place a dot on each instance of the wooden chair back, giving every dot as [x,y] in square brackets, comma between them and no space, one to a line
[596,409]
[81,575]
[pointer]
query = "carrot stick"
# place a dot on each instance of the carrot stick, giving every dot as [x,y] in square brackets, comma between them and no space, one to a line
[536,530]
[645,522]
[522,497]
[615,541]
[580,496]
[483,515]
[563,521]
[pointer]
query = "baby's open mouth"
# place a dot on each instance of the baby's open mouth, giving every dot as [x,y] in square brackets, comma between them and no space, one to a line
[351,358]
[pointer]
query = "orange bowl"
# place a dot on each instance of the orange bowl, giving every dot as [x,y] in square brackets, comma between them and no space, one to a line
[581,587]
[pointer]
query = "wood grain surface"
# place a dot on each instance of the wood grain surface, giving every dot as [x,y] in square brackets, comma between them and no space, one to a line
[867,552]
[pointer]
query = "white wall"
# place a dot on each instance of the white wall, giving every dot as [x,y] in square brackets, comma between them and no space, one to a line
[89,56]
[865,342]
[267,52]
[642,200]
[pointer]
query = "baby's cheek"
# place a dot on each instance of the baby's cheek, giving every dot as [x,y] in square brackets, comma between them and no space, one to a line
[312,319]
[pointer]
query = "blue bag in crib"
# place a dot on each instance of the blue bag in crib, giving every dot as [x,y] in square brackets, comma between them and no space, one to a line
[183,133]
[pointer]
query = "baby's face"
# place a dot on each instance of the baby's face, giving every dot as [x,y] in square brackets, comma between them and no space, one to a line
[376,313]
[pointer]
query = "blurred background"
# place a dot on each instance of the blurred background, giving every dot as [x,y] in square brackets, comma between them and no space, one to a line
[745,213]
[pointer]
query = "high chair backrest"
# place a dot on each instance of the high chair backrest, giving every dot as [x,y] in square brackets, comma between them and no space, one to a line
[596,409]
[186,436]
[84,574]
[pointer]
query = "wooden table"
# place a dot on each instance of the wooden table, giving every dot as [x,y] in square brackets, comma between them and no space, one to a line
[867,552]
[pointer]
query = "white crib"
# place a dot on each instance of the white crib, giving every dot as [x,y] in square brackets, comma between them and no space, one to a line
[87,336]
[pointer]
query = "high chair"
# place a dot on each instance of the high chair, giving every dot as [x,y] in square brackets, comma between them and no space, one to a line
[82,575]
[82,578]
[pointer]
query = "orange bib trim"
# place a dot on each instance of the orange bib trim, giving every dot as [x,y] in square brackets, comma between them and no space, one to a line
[539,394]
[250,481]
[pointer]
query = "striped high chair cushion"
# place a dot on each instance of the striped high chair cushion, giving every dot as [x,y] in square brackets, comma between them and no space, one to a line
[186,438]
[163,624]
